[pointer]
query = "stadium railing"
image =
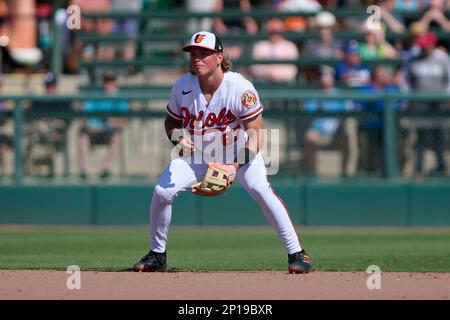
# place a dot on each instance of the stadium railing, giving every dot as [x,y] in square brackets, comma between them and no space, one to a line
[180,37]
[257,13]
[303,62]
[390,115]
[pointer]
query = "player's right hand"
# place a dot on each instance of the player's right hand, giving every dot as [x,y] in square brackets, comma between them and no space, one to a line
[186,147]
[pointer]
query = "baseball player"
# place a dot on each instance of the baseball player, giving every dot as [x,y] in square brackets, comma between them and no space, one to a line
[212,106]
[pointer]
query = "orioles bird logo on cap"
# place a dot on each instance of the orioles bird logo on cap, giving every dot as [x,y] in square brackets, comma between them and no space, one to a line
[199,38]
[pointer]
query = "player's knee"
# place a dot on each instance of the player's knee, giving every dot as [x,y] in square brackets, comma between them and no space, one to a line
[161,194]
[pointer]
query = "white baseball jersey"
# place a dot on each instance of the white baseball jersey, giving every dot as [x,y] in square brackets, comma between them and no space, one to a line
[218,123]
[215,124]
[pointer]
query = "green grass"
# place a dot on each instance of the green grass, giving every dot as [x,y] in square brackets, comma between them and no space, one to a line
[226,249]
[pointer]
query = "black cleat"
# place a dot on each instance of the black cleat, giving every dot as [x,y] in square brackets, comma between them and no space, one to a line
[299,262]
[152,262]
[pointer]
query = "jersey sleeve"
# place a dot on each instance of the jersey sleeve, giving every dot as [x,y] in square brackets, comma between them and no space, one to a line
[249,102]
[173,107]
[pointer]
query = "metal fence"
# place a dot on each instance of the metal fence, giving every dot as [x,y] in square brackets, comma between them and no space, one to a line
[394,143]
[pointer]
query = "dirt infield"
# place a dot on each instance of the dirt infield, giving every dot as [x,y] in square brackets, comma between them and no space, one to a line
[222,285]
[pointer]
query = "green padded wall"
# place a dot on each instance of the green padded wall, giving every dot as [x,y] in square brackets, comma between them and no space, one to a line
[430,205]
[46,204]
[311,204]
[356,205]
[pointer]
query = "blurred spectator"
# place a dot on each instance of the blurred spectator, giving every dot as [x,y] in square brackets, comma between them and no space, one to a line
[412,50]
[391,18]
[325,131]
[44,13]
[375,45]
[92,51]
[371,130]
[410,5]
[291,24]
[435,15]
[328,4]
[223,26]
[51,88]
[101,131]
[275,48]
[299,5]
[3,16]
[3,31]
[21,50]
[295,24]
[430,72]
[204,6]
[326,46]
[128,27]
[351,72]
[238,26]
[47,135]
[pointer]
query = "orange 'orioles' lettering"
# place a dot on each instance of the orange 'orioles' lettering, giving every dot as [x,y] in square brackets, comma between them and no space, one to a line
[212,120]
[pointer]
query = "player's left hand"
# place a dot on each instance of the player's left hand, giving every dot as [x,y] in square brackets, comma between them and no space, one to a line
[229,168]
[218,178]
